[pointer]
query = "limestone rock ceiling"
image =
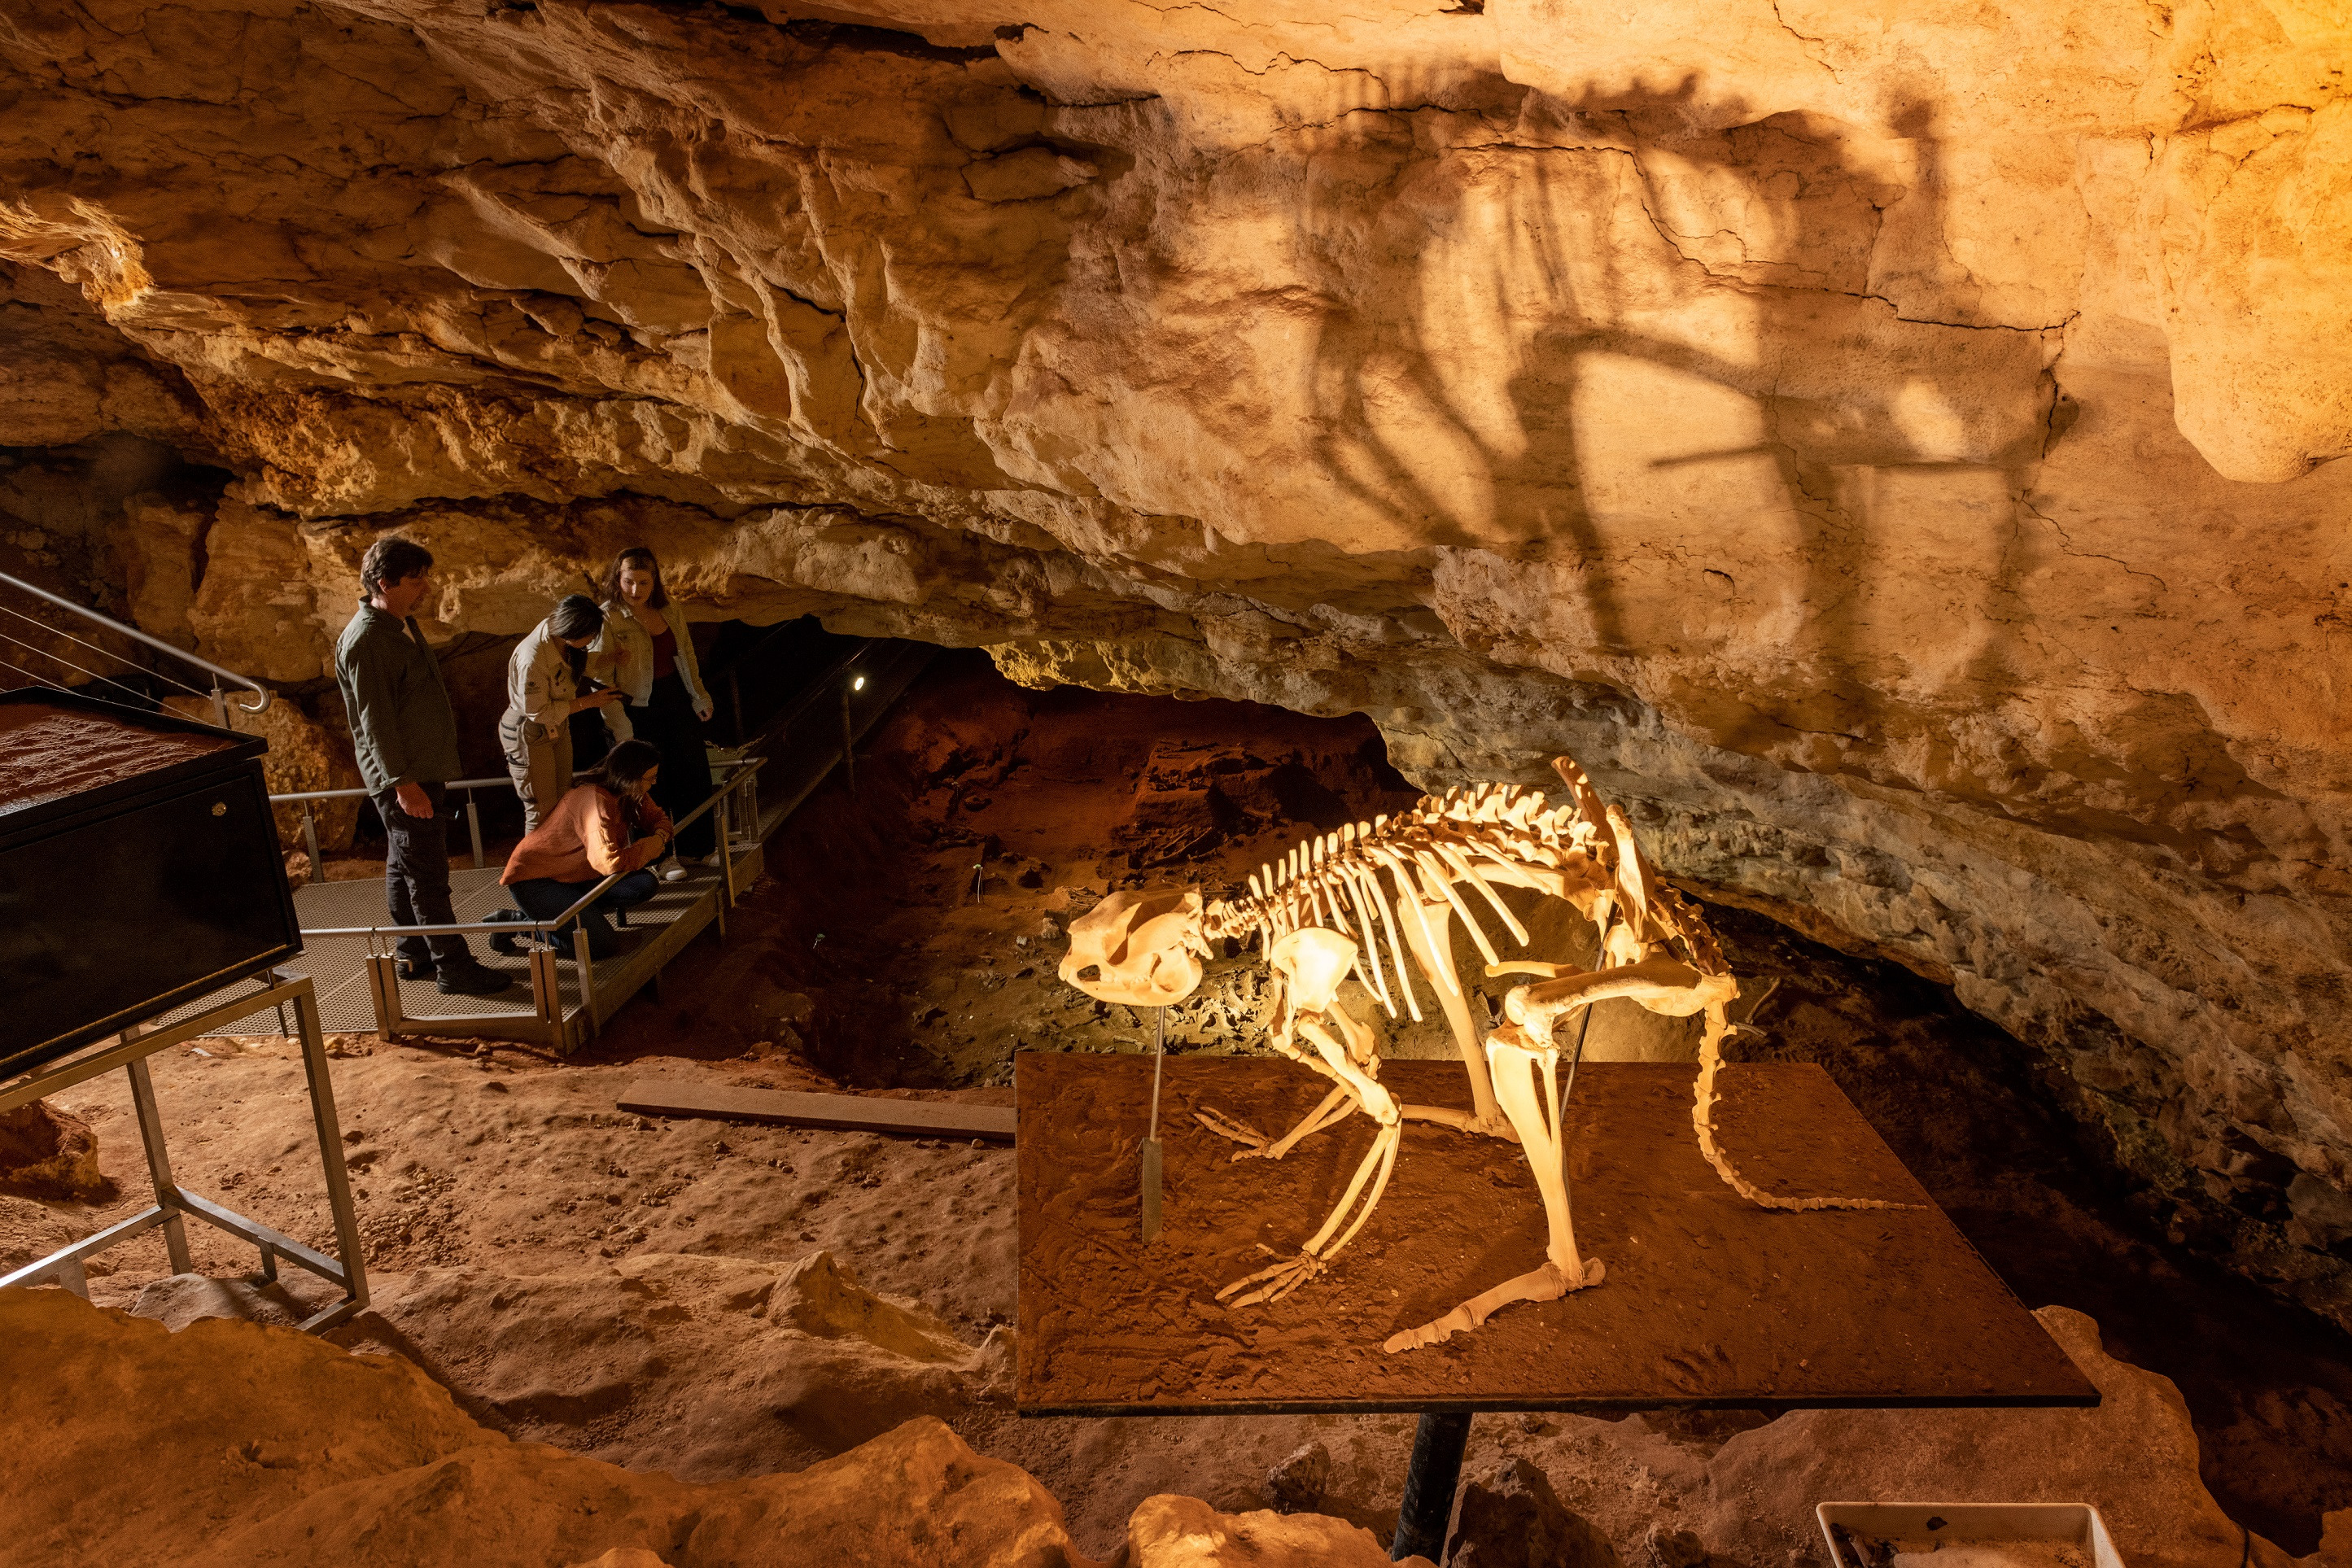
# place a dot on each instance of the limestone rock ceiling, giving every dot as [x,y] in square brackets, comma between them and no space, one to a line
[1892,448]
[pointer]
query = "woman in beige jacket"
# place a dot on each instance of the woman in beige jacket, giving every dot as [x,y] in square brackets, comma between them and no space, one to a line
[647,652]
[542,694]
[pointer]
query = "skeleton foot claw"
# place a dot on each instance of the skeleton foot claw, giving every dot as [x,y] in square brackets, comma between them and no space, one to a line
[1281,1279]
[1548,1283]
[1225,1126]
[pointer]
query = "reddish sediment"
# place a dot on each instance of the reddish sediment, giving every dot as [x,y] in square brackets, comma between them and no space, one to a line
[48,752]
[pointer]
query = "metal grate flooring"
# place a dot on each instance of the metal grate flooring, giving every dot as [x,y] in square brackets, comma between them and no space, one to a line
[336,965]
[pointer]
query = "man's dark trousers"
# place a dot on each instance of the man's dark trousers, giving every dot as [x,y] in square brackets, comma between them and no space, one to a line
[417,879]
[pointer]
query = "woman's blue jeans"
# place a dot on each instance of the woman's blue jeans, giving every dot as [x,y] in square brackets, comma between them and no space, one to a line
[544,898]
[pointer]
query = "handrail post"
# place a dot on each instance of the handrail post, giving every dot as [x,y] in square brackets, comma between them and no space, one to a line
[220,705]
[587,969]
[849,745]
[473,828]
[310,843]
[725,863]
[547,991]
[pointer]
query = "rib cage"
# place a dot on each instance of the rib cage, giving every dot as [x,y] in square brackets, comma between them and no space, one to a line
[1512,835]
[1473,837]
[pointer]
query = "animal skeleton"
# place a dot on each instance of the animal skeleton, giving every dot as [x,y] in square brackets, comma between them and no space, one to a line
[1323,914]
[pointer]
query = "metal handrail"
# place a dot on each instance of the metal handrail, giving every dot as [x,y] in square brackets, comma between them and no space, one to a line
[540,928]
[825,685]
[110,623]
[362,791]
[504,783]
[473,817]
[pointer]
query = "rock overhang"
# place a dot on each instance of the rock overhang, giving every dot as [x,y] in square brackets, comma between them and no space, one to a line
[1896,459]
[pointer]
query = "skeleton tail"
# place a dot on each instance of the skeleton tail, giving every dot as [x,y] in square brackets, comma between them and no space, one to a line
[1710,1059]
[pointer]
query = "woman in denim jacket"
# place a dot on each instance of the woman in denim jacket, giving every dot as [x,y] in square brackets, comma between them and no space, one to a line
[648,652]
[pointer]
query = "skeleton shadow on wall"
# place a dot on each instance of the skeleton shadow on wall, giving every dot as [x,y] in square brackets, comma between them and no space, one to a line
[1660,270]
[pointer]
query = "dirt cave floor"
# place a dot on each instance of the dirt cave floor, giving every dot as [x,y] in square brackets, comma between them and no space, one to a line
[602,1280]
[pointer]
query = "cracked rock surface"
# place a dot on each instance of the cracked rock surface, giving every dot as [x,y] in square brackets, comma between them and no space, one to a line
[1897,455]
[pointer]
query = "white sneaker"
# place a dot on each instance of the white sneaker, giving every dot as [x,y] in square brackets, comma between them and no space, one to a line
[676,873]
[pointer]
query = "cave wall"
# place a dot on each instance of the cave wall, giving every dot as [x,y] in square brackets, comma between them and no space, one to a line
[1896,452]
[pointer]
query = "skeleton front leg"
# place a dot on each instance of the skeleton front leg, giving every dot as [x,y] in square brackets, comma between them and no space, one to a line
[1519,1064]
[1277,1281]
[1336,1106]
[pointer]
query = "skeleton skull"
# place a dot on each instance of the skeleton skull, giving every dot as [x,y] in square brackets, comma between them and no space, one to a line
[1145,947]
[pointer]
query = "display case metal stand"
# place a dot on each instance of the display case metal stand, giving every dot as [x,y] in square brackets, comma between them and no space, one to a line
[174,1204]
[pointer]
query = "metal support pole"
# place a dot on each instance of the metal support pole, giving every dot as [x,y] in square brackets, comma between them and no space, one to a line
[746,804]
[1438,1444]
[383,990]
[220,705]
[849,745]
[159,1160]
[547,989]
[330,1154]
[473,828]
[587,969]
[310,843]
[726,865]
[1584,1025]
[1151,1152]
[174,1204]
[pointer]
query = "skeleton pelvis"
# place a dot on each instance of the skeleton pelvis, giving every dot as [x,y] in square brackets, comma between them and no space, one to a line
[1143,949]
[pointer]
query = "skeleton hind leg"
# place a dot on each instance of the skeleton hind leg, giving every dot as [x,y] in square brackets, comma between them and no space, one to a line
[1435,956]
[1518,1063]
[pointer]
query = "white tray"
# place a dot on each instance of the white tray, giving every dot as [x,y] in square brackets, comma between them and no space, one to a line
[1990,1524]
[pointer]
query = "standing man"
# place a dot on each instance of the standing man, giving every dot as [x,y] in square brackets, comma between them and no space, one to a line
[407,736]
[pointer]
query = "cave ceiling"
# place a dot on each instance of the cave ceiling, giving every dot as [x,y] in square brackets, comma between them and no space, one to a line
[1896,448]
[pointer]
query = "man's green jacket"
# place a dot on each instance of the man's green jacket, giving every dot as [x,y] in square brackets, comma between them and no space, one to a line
[401,723]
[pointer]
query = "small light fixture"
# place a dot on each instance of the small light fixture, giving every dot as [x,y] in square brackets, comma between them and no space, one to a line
[859,685]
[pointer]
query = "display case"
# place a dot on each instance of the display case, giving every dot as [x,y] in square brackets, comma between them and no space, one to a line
[140,869]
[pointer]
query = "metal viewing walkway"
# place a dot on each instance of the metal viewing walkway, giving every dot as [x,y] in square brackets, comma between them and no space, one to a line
[348,984]
[347,941]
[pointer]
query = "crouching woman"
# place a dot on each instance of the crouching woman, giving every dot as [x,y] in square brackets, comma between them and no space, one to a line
[605,825]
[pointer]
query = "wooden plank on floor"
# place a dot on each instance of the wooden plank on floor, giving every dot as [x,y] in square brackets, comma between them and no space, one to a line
[847,1113]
